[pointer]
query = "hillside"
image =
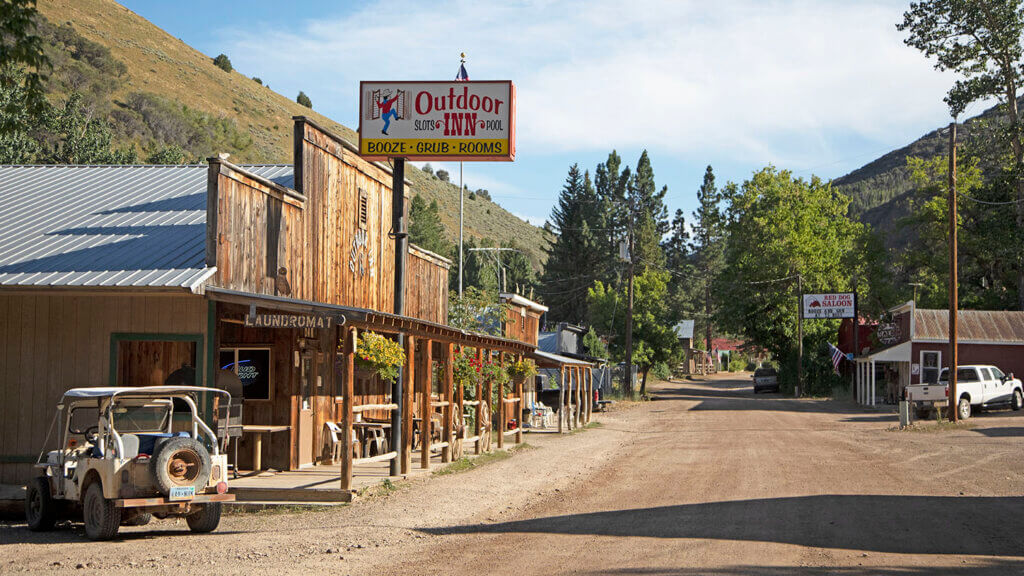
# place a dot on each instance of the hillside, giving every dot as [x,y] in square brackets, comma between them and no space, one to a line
[881,190]
[157,91]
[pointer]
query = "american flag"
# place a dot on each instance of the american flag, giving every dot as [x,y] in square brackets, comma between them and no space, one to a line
[462,76]
[837,356]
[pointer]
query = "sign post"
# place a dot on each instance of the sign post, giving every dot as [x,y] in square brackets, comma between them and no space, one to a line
[444,121]
[824,307]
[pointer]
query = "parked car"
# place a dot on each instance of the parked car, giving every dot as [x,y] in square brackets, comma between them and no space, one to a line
[128,454]
[977,386]
[766,379]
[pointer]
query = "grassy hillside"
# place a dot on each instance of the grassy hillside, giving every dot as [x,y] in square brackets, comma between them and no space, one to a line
[157,90]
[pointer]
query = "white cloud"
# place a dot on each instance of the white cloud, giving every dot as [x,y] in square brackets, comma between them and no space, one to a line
[763,81]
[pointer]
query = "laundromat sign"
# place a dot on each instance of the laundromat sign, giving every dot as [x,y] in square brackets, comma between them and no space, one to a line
[437,120]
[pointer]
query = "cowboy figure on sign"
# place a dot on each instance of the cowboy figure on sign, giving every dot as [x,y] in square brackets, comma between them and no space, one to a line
[387,113]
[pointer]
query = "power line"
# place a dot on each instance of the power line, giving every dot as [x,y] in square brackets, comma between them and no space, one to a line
[988,203]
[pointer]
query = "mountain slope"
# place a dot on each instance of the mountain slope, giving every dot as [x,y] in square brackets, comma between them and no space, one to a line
[166,91]
[880,191]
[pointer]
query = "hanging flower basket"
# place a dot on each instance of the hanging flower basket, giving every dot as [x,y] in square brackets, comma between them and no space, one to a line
[466,373]
[381,355]
[521,370]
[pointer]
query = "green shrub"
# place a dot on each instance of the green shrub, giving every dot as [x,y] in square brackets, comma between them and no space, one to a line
[223,62]
[661,371]
[737,362]
[257,80]
[304,100]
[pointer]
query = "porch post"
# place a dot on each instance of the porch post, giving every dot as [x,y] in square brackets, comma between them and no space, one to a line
[872,382]
[590,391]
[501,405]
[489,392]
[408,380]
[479,405]
[446,396]
[347,397]
[579,396]
[519,405]
[561,399]
[426,376]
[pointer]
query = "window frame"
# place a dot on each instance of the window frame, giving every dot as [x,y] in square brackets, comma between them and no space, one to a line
[270,367]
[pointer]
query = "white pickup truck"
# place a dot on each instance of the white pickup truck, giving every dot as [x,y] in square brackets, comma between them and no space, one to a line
[979,385]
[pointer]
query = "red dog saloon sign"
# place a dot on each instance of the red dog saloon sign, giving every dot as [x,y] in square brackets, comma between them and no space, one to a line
[437,120]
[828,305]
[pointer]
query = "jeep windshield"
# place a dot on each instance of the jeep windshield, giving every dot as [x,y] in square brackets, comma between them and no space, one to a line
[136,418]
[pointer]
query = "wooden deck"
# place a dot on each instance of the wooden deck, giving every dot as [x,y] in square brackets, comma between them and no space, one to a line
[320,483]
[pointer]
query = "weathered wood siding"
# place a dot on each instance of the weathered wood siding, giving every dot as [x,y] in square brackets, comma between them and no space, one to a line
[426,287]
[50,343]
[331,237]
[522,324]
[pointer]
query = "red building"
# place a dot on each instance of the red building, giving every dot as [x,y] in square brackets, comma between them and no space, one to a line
[912,345]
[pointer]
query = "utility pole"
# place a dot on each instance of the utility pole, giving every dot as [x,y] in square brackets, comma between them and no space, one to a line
[953,300]
[401,244]
[800,335]
[461,196]
[707,308]
[629,306]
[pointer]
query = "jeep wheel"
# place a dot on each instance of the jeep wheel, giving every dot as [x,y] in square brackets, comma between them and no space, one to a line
[205,519]
[102,518]
[964,408]
[1018,400]
[40,509]
[181,462]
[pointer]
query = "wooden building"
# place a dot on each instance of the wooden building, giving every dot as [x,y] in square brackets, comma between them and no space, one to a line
[911,346]
[139,275]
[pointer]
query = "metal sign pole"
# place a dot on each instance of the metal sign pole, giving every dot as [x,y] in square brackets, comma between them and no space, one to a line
[398,228]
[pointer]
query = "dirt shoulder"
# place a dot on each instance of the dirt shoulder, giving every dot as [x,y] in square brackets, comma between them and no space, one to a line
[357,538]
[708,479]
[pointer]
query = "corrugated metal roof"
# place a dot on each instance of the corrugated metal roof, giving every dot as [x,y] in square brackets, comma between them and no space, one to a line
[547,342]
[684,329]
[1000,326]
[124,226]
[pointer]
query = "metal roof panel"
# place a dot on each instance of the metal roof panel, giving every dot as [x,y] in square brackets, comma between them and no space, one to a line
[133,225]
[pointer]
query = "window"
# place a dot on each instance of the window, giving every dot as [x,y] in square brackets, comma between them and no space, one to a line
[985,374]
[966,375]
[253,368]
[362,209]
[930,361]
[997,373]
[141,359]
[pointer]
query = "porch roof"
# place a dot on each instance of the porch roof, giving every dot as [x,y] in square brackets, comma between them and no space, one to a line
[549,360]
[371,319]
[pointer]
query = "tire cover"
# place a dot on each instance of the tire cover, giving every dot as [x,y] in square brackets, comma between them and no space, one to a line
[185,455]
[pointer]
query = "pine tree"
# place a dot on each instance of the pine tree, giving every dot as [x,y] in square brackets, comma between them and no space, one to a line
[708,246]
[425,227]
[650,216]
[577,258]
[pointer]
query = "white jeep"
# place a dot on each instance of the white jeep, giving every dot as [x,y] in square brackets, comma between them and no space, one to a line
[127,454]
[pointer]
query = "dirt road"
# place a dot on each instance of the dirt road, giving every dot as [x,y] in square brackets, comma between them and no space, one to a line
[709,479]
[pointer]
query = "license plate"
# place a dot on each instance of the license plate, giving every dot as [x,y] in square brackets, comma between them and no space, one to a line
[183,492]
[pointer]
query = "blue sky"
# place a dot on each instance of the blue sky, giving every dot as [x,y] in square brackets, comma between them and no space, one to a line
[814,87]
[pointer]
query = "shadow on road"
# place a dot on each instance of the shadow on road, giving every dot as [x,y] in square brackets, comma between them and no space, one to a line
[74,533]
[992,568]
[992,526]
[742,397]
[1005,432]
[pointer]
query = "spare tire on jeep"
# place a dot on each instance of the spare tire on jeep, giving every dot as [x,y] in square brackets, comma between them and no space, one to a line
[180,462]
